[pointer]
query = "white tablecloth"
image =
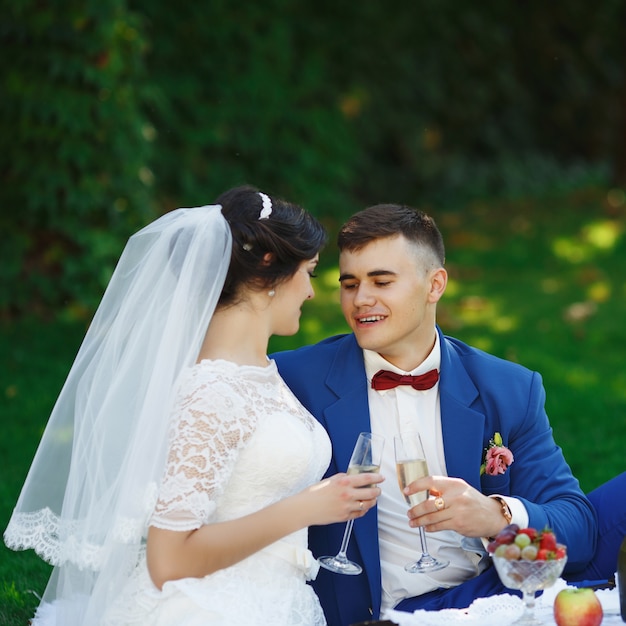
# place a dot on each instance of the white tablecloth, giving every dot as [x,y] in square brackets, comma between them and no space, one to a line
[504,609]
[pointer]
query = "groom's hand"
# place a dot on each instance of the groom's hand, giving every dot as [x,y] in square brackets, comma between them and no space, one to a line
[454,505]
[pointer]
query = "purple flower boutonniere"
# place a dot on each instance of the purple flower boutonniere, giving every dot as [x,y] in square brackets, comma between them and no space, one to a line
[497,457]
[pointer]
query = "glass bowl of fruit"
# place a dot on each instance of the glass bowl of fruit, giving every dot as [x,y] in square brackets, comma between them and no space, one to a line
[527,560]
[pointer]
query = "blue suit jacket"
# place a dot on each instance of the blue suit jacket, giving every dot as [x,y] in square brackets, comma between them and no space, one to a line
[479,395]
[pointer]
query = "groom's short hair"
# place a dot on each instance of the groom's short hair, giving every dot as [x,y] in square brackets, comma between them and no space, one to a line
[390,220]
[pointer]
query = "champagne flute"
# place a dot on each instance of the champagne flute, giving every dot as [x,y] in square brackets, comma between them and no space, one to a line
[365,458]
[411,465]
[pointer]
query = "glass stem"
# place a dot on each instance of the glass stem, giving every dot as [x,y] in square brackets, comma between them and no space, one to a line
[423,542]
[344,542]
[529,603]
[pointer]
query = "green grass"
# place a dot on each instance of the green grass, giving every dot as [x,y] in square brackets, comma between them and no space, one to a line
[542,283]
[34,360]
[538,282]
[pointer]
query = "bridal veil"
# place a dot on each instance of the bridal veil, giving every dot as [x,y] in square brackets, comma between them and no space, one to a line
[92,486]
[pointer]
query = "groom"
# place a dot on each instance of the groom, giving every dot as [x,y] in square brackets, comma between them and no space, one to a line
[392,276]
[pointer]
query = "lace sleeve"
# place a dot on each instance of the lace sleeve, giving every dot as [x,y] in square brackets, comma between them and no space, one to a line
[210,424]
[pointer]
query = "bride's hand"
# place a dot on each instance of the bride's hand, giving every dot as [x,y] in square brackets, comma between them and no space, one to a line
[342,497]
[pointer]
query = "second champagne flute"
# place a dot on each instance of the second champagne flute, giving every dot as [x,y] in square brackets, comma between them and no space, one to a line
[411,465]
[365,458]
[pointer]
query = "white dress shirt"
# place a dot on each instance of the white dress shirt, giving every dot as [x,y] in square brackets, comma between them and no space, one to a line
[404,409]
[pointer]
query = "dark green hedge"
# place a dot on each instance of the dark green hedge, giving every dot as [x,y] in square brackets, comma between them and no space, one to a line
[74,158]
[116,111]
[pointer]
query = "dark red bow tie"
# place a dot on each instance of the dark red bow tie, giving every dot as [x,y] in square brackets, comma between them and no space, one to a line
[388,380]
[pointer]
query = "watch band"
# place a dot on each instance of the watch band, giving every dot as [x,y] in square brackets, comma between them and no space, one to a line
[504,507]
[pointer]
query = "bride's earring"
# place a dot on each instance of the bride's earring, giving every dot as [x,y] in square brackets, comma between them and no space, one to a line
[271,293]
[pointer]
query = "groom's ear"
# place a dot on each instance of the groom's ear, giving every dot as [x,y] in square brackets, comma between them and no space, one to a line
[438,282]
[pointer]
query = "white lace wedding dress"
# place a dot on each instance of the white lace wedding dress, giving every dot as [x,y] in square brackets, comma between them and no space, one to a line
[240,441]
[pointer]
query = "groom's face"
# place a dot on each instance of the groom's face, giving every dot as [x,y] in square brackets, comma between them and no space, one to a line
[388,298]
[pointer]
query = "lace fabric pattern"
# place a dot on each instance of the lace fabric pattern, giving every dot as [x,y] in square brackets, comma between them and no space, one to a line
[238,437]
[41,531]
[239,441]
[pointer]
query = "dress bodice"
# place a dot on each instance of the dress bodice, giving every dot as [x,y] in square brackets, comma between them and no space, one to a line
[239,441]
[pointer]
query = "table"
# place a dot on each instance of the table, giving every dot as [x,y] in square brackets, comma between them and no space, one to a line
[504,609]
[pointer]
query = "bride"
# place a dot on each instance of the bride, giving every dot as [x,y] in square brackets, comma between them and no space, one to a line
[177,475]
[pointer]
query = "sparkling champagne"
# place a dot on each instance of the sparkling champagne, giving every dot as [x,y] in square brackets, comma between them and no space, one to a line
[366,457]
[408,471]
[363,469]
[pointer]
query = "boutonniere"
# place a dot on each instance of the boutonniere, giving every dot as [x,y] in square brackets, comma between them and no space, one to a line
[497,457]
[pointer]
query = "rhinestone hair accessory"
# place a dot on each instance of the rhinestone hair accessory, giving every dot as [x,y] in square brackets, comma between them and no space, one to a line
[266,211]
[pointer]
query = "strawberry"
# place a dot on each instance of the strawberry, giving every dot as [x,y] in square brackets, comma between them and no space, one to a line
[543,554]
[528,544]
[548,541]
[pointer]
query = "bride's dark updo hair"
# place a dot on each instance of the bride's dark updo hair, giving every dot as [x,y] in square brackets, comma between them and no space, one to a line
[289,234]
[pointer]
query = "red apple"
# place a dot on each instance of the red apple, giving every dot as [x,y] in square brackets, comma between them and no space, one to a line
[577,607]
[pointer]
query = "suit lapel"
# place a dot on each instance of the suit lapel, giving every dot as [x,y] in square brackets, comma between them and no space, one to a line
[349,415]
[344,420]
[462,427]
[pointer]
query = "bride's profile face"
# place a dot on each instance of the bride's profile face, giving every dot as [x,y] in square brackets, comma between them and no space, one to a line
[290,296]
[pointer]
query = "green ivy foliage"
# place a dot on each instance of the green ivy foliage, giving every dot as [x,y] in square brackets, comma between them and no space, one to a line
[238,96]
[73,149]
[458,100]
[114,112]
[339,105]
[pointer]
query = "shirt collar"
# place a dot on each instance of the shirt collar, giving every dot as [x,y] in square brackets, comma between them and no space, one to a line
[374,362]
